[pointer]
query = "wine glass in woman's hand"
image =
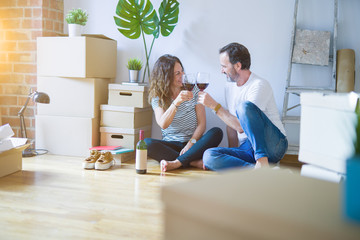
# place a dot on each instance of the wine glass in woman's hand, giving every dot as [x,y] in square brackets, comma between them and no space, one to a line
[188,81]
[202,80]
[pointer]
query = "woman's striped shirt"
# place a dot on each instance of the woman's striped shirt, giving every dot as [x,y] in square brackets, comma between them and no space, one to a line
[184,123]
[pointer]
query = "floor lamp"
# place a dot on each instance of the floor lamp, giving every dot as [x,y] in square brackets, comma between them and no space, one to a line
[37,97]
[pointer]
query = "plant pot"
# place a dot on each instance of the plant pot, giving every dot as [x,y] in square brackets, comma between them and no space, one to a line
[352,189]
[134,76]
[75,30]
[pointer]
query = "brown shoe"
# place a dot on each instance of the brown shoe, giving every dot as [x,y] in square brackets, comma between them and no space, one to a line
[105,161]
[89,163]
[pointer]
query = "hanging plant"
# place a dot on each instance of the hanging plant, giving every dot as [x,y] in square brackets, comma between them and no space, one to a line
[138,17]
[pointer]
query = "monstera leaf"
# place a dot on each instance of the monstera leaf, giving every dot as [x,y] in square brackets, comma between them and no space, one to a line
[138,17]
[135,16]
[169,12]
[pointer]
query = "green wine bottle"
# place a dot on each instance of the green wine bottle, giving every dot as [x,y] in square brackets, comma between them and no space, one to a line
[141,154]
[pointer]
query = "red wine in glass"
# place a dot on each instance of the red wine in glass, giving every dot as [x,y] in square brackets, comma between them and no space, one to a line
[202,80]
[189,86]
[202,86]
[188,81]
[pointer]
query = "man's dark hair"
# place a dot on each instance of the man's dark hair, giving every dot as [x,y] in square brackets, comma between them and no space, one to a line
[237,53]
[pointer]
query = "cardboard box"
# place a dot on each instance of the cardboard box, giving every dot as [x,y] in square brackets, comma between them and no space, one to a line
[73,97]
[128,96]
[296,208]
[70,136]
[125,157]
[327,129]
[125,117]
[124,137]
[11,160]
[10,151]
[84,57]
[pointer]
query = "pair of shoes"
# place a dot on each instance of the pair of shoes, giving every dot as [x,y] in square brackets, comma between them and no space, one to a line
[99,161]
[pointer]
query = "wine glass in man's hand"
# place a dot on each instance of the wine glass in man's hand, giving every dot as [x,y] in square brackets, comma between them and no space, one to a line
[202,80]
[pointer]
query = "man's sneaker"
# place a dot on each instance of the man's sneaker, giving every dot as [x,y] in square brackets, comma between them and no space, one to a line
[105,161]
[89,163]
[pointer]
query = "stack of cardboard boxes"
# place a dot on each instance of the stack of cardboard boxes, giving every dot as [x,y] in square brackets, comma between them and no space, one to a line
[327,134]
[75,72]
[127,112]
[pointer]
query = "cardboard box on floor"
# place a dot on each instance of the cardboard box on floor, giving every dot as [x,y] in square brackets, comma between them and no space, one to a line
[85,95]
[11,160]
[88,56]
[69,136]
[10,151]
[327,129]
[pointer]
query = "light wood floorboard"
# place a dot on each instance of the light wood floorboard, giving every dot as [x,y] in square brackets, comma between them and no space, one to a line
[54,198]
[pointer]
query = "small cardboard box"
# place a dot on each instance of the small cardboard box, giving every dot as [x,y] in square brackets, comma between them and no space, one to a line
[92,56]
[123,137]
[11,160]
[128,96]
[327,129]
[70,136]
[84,95]
[10,151]
[125,157]
[125,117]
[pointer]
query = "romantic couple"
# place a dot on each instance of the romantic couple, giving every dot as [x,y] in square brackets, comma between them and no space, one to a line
[255,133]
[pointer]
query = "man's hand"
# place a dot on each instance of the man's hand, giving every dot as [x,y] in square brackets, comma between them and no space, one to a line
[206,100]
[262,162]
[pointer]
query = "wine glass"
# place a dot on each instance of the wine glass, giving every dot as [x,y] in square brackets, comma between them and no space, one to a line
[202,80]
[189,81]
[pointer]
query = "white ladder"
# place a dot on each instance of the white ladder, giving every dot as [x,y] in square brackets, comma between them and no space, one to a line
[295,55]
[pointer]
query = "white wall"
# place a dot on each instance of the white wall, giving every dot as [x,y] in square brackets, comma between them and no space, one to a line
[205,26]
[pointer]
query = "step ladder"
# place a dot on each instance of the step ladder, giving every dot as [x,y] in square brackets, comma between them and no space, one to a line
[308,47]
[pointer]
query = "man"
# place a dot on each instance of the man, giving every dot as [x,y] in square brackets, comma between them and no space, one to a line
[256,135]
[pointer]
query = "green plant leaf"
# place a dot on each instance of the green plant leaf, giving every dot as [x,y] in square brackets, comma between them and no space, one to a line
[77,16]
[357,140]
[134,16]
[168,12]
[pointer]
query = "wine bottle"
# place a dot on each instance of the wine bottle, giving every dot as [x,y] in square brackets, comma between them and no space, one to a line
[141,154]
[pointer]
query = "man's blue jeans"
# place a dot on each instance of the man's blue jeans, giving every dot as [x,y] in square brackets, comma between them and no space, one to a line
[170,150]
[264,139]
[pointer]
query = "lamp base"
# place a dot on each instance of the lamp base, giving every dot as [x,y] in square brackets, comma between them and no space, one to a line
[28,153]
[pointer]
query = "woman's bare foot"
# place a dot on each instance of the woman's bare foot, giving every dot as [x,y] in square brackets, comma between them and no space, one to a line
[197,164]
[169,165]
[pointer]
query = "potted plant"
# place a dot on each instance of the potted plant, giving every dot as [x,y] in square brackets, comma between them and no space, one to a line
[76,19]
[137,18]
[134,65]
[352,181]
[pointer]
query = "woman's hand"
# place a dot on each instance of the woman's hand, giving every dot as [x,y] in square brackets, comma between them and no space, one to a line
[182,97]
[187,147]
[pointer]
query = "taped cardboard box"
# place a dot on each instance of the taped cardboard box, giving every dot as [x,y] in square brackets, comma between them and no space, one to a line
[91,56]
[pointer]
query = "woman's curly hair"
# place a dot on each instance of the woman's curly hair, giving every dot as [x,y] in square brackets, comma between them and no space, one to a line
[161,78]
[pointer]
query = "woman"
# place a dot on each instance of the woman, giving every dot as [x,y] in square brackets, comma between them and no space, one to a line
[181,119]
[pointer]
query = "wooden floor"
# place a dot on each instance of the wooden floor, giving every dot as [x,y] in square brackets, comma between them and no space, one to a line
[54,198]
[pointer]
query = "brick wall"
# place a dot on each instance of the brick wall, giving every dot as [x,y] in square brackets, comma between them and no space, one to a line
[21,22]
